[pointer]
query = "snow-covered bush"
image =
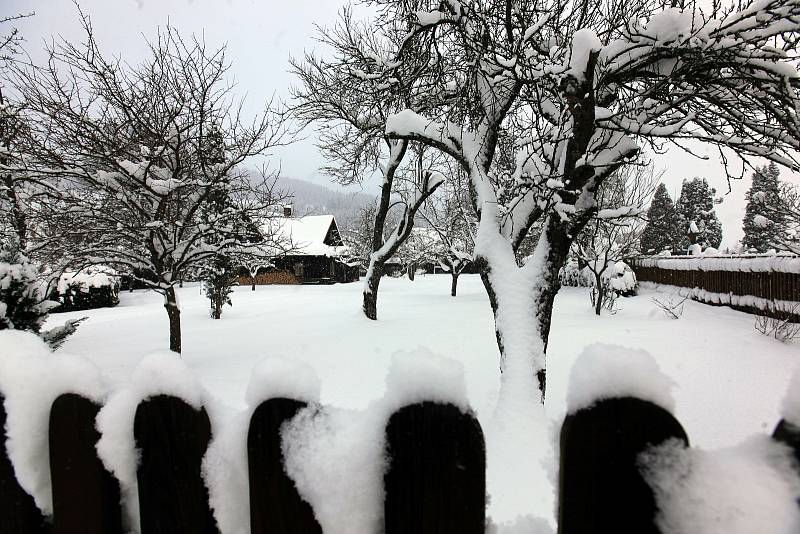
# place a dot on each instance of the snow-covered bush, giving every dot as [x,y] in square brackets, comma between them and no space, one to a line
[23,299]
[621,278]
[616,280]
[23,305]
[571,275]
[95,287]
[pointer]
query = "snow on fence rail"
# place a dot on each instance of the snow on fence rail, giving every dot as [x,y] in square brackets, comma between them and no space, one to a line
[620,449]
[761,284]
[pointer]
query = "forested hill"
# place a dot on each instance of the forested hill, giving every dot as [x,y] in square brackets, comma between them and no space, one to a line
[314,199]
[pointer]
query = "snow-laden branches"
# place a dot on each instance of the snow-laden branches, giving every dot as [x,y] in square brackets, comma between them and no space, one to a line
[148,156]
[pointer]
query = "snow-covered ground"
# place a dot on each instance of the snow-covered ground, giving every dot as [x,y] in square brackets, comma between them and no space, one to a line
[729,380]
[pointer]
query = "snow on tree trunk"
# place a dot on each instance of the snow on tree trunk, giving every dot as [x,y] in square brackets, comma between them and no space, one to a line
[174,314]
[370,293]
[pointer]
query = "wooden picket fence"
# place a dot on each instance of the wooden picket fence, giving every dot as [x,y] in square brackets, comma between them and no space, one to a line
[434,484]
[773,287]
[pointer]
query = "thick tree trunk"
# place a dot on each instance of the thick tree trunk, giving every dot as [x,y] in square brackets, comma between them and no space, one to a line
[253,286]
[174,314]
[530,292]
[453,284]
[370,294]
[217,308]
[411,271]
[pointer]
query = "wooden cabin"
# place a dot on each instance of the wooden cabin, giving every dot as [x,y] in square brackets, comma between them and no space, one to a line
[314,249]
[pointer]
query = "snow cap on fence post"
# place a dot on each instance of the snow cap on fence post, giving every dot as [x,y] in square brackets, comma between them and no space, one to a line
[159,373]
[226,467]
[420,375]
[31,378]
[277,377]
[790,408]
[336,457]
[610,371]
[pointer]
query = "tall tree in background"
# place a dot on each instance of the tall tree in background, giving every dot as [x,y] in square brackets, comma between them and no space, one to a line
[145,153]
[763,221]
[695,208]
[662,232]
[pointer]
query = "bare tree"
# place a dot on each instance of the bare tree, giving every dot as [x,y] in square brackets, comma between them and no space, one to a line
[151,155]
[349,100]
[449,214]
[612,235]
[581,87]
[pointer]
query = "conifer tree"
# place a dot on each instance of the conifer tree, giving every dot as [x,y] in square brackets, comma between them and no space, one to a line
[662,231]
[763,220]
[696,205]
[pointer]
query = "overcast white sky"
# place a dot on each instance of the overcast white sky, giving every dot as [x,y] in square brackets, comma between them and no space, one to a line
[261,35]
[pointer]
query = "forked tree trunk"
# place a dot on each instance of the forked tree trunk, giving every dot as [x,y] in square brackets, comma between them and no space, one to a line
[453,283]
[174,314]
[370,294]
[525,341]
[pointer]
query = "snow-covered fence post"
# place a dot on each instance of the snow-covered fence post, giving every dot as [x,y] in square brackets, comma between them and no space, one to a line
[436,480]
[86,497]
[18,512]
[172,437]
[788,429]
[275,505]
[788,434]
[617,408]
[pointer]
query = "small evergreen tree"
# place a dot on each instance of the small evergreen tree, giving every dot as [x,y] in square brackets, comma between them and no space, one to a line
[763,220]
[218,280]
[663,230]
[696,205]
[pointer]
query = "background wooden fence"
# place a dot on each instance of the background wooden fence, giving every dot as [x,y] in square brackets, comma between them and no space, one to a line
[434,483]
[779,289]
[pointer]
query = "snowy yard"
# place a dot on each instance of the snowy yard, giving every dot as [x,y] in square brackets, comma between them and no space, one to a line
[729,380]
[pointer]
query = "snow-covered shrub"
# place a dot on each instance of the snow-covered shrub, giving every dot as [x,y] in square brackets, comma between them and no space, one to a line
[571,275]
[23,305]
[615,280]
[95,287]
[621,278]
[23,299]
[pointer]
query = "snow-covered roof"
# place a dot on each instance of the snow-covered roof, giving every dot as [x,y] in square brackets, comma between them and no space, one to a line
[306,235]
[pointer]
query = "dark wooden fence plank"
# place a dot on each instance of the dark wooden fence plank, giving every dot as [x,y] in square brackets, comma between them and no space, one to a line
[436,480]
[85,496]
[173,438]
[18,511]
[601,489]
[275,505]
[788,434]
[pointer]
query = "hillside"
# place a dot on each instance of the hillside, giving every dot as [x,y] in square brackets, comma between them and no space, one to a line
[314,199]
